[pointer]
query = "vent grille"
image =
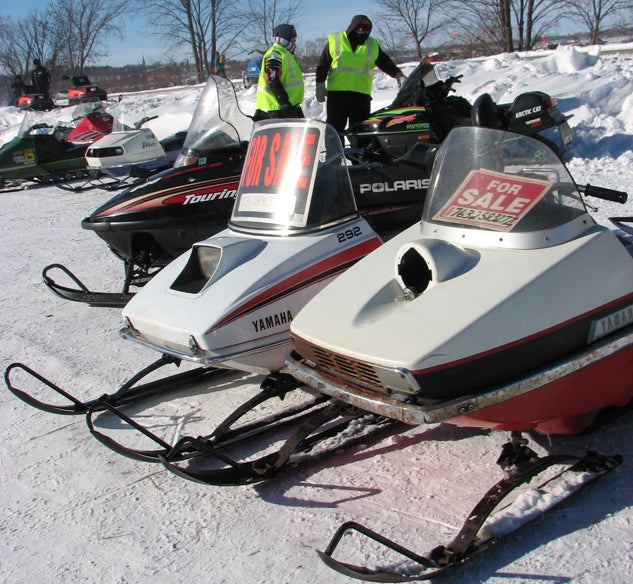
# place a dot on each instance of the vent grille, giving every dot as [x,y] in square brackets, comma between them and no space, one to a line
[339,365]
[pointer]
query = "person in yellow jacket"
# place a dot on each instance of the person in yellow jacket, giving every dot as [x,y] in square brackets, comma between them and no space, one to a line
[347,63]
[280,86]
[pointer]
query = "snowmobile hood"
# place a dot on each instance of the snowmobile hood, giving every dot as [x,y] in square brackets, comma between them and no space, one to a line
[125,148]
[122,137]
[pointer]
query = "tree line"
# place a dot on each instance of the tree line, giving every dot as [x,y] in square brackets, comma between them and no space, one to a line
[70,35]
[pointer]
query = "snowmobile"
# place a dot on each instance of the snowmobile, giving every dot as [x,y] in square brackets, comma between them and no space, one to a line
[157,218]
[507,307]
[133,152]
[425,111]
[227,303]
[90,122]
[32,100]
[40,153]
[230,301]
[82,90]
[154,221]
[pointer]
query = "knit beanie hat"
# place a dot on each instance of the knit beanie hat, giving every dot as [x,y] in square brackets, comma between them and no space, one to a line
[285,31]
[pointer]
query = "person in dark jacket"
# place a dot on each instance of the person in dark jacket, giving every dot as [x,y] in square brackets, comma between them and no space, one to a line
[347,62]
[280,86]
[17,90]
[40,78]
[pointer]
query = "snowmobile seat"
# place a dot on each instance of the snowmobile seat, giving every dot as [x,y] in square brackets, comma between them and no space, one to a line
[486,113]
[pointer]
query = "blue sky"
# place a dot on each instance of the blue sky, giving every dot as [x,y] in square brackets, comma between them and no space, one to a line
[318,19]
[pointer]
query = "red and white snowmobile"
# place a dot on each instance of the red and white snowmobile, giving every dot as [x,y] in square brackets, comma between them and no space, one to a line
[506,307]
[133,152]
[91,122]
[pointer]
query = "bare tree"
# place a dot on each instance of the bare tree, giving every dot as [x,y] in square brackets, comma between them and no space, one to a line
[262,16]
[496,23]
[84,25]
[29,38]
[505,18]
[593,13]
[419,18]
[11,59]
[533,18]
[195,25]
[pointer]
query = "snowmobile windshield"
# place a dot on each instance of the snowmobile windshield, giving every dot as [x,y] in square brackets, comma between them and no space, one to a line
[425,73]
[26,124]
[502,189]
[217,124]
[34,123]
[294,179]
[88,107]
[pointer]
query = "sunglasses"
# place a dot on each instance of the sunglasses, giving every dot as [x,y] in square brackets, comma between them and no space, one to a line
[363,28]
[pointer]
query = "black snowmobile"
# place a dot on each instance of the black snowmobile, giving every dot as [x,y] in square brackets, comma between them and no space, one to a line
[153,222]
[33,100]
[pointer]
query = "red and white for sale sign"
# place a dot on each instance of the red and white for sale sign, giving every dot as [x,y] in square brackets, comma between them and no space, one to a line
[493,200]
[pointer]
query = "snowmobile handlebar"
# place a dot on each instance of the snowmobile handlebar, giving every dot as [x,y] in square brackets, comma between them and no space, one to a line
[605,194]
[451,81]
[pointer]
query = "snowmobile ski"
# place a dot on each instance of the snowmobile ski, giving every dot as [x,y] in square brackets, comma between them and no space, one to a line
[313,428]
[303,425]
[82,293]
[127,394]
[222,433]
[473,537]
[135,275]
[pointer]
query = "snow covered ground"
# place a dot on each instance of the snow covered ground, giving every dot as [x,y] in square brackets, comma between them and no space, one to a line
[73,511]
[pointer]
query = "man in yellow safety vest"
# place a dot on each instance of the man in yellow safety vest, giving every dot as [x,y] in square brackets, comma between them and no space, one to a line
[280,85]
[347,62]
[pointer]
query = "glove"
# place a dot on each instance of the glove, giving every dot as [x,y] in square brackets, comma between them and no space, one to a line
[291,111]
[400,79]
[321,92]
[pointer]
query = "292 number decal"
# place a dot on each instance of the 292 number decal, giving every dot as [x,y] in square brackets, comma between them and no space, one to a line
[349,234]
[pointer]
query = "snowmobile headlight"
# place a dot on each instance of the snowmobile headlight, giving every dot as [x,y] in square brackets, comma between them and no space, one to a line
[199,269]
[209,258]
[105,152]
[185,159]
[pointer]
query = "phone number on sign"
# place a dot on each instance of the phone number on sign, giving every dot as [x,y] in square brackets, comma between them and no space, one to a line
[481,216]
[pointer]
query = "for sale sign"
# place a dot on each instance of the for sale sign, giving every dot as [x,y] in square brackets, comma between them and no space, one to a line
[493,200]
[278,174]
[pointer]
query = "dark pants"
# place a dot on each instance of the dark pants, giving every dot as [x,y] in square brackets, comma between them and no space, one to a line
[347,106]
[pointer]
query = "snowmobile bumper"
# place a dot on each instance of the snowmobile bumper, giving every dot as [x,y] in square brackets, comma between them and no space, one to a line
[457,410]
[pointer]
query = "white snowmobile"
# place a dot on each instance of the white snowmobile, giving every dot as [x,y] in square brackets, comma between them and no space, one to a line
[133,152]
[507,307]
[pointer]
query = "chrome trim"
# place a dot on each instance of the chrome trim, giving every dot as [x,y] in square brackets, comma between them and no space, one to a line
[289,232]
[581,225]
[195,354]
[434,413]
